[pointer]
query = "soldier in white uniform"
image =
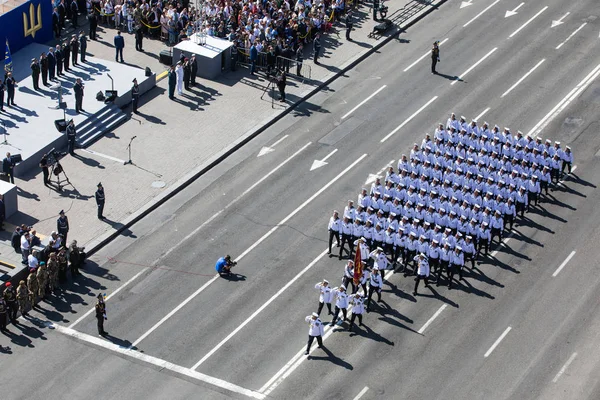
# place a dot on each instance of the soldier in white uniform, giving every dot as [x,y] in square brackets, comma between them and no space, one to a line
[422,271]
[357,302]
[334,228]
[348,278]
[324,295]
[567,160]
[341,303]
[375,285]
[314,331]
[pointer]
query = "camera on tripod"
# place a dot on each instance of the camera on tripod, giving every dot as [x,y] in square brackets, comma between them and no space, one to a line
[54,156]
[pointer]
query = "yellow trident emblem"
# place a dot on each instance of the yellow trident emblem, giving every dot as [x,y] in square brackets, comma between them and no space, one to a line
[30,27]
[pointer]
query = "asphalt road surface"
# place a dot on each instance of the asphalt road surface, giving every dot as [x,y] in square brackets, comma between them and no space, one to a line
[523,325]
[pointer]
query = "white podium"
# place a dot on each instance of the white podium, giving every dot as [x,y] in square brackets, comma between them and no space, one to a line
[213,55]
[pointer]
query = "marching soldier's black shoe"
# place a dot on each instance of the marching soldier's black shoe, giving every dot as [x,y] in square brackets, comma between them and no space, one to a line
[306,353]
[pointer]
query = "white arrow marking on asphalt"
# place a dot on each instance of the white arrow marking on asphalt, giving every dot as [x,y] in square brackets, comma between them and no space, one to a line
[373,177]
[321,163]
[270,149]
[466,4]
[481,13]
[558,22]
[514,11]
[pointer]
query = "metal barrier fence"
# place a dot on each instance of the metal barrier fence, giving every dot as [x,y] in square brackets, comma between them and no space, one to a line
[289,65]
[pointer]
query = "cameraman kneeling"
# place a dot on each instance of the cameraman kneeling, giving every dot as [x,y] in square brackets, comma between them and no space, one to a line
[224,265]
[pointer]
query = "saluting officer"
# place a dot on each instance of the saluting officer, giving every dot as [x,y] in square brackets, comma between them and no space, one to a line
[435,56]
[314,331]
[101,314]
[135,95]
[324,296]
[422,271]
[341,303]
[62,225]
[100,199]
[357,302]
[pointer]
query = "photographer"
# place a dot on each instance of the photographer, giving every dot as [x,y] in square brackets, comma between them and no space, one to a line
[281,82]
[224,265]
[45,170]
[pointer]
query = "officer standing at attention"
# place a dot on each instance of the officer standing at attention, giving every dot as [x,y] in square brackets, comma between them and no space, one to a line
[78,89]
[10,89]
[194,69]
[314,331]
[299,55]
[119,45]
[135,95]
[349,25]
[62,225]
[74,49]
[435,56]
[2,89]
[10,296]
[100,200]
[3,315]
[334,228]
[44,68]
[422,271]
[8,167]
[317,47]
[324,295]
[35,73]
[82,45]
[101,314]
[71,136]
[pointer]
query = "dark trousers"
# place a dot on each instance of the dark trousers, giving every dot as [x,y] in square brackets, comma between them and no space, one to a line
[418,280]
[321,308]
[565,165]
[46,173]
[348,30]
[74,57]
[350,281]
[470,257]
[450,274]
[135,103]
[533,198]
[496,232]
[51,73]
[434,62]
[71,146]
[352,318]
[371,290]
[82,55]
[45,77]
[13,307]
[483,244]
[299,68]
[119,53]
[100,210]
[11,97]
[100,325]
[443,268]
[346,239]
[337,312]
[64,233]
[333,234]
[36,81]
[316,55]
[78,103]
[3,321]
[311,339]
[138,44]
[434,263]
[509,220]
[281,92]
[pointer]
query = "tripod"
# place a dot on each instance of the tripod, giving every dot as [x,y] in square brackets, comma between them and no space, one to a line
[5,141]
[57,169]
[271,85]
[129,149]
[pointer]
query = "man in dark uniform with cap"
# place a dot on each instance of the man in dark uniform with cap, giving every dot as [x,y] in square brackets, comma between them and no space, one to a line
[194,69]
[135,95]
[100,200]
[62,225]
[101,314]
[78,89]
[435,56]
[71,136]
[35,73]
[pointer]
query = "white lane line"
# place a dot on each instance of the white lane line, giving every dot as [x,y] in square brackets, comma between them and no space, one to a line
[245,192]
[364,101]
[361,393]
[565,102]
[506,239]
[145,358]
[563,264]
[408,119]
[437,313]
[424,55]
[255,313]
[473,66]
[571,35]
[195,231]
[95,153]
[497,342]
[528,22]
[279,141]
[482,113]
[88,312]
[562,180]
[481,13]
[564,367]
[523,78]
[298,359]
[248,250]
[297,210]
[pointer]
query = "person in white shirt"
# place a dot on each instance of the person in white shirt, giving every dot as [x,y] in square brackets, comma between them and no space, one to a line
[348,278]
[457,262]
[314,331]
[375,285]
[341,304]
[567,160]
[32,260]
[25,246]
[334,227]
[357,302]
[324,296]
[346,232]
[380,260]
[422,271]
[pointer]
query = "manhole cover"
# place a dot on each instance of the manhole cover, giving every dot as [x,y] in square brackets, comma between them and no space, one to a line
[158,184]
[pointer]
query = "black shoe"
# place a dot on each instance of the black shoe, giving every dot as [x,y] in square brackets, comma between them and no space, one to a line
[306,353]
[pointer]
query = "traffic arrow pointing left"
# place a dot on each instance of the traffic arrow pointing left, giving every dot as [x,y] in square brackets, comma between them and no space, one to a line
[559,21]
[321,163]
[269,149]
[465,4]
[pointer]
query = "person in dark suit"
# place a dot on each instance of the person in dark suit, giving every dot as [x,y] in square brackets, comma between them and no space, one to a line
[100,200]
[187,74]
[56,22]
[8,167]
[82,45]
[11,84]
[349,25]
[62,14]
[66,55]
[74,49]
[74,14]
[78,89]
[299,56]
[51,64]
[119,45]
[71,136]
[93,20]
[172,82]
[2,89]
[44,68]
[59,61]
[317,48]
[35,73]
[139,38]
[194,69]
[135,95]
[281,82]
[15,239]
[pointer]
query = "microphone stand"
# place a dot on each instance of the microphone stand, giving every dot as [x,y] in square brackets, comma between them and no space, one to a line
[129,148]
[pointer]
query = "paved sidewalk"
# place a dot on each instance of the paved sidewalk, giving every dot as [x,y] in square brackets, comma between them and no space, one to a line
[175,139]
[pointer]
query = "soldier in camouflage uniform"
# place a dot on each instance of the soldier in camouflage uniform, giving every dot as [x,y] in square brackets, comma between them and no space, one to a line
[53,272]
[32,285]
[42,280]
[23,298]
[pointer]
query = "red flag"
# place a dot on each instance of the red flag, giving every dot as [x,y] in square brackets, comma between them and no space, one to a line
[358,267]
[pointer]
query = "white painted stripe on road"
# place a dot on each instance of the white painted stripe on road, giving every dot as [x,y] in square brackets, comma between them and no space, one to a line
[565,102]
[88,312]
[563,264]
[424,55]
[361,393]
[279,141]
[299,208]
[481,13]
[482,113]
[560,183]
[364,101]
[106,344]
[564,367]
[497,342]
[571,35]
[523,78]
[506,239]
[295,362]
[255,313]
[458,78]
[528,22]
[409,119]
[95,153]
[248,250]
[437,313]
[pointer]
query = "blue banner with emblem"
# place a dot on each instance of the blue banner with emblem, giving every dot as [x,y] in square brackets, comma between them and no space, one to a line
[29,22]
[7,58]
